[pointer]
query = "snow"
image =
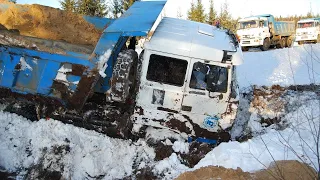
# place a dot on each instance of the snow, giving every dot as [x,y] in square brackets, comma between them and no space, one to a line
[86,154]
[296,65]
[257,153]
[22,144]
[24,64]
[102,63]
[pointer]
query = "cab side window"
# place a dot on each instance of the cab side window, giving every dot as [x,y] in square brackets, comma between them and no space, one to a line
[209,77]
[167,70]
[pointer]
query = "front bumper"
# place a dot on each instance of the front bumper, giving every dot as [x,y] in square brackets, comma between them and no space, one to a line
[306,37]
[251,42]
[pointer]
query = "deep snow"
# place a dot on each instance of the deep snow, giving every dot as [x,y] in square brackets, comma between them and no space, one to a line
[296,65]
[24,144]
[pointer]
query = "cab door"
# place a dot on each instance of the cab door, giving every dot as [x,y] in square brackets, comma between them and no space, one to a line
[163,80]
[198,98]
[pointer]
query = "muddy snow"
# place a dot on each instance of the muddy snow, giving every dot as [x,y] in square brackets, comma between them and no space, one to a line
[274,123]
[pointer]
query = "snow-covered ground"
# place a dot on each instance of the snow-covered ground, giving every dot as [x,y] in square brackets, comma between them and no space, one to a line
[83,154]
[296,65]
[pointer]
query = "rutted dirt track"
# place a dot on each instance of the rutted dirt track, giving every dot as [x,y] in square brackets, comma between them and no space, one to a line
[48,23]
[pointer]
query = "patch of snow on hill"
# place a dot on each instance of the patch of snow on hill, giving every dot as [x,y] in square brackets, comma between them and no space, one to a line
[296,65]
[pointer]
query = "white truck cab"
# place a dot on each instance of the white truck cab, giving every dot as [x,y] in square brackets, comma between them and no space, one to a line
[263,31]
[308,30]
[252,31]
[188,74]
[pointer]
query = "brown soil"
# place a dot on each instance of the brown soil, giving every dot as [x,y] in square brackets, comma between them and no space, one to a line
[290,170]
[49,23]
[215,173]
[287,170]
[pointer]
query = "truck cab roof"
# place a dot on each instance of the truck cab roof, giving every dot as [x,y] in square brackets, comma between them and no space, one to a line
[191,39]
[309,20]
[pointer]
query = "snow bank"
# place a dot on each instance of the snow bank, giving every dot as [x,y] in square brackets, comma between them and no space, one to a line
[296,65]
[23,143]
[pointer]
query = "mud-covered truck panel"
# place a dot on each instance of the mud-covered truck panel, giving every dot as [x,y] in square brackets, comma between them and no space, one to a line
[263,31]
[187,69]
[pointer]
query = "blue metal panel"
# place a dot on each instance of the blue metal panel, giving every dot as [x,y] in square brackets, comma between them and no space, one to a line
[98,22]
[39,78]
[138,19]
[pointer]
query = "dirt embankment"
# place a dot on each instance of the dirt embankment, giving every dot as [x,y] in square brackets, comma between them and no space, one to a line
[285,170]
[48,23]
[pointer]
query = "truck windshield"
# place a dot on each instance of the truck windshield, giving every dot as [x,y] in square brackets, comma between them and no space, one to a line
[305,24]
[251,24]
[209,77]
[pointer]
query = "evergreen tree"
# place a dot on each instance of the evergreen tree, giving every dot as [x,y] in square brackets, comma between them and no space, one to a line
[192,12]
[85,7]
[212,14]
[127,4]
[68,5]
[225,18]
[117,8]
[196,12]
[91,7]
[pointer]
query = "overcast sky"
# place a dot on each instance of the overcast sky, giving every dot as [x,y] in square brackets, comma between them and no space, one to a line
[238,8]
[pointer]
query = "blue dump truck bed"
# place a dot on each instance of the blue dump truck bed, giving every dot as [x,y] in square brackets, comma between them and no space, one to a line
[285,28]
[67,73]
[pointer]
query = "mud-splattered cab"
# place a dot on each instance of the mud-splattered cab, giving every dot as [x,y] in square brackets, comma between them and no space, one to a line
[188,78]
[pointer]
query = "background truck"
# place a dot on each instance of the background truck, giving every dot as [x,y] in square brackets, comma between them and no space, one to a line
[264,32]
[184,80]
[308,30]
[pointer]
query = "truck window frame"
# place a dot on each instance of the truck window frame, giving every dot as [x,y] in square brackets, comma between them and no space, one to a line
[155,73]
[192,79]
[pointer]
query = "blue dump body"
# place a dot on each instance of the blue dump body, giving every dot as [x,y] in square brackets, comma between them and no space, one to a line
[27,71]
[282,28]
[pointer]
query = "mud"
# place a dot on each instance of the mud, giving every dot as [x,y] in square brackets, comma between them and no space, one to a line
[4,175]
[197,151]
[178,125]
[49,23]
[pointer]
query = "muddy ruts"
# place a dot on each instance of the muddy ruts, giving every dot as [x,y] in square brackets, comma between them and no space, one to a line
[110,119]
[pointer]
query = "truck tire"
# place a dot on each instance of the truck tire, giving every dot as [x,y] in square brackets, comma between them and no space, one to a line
[124,76]
[318,39]
[266,44]
[288,42]
[300,42]
[282,43]
[244,49]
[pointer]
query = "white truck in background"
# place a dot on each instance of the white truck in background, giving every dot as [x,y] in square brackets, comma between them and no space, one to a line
[308,30]
[264,32]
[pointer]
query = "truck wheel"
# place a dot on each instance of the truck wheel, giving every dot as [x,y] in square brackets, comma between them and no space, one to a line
[318,39]
[300,42]
[266,44]
[282,43]
[288,42]
[124,75]
[244,48]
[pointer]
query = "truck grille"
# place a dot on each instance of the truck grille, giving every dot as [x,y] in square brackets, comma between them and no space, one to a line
[245,42]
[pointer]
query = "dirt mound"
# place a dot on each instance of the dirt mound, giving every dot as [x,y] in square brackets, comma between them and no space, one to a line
[48,23]
[213,172]
[286,170]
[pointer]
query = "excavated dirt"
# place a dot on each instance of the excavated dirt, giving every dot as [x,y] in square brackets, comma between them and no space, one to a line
[48,23]
[285,170]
